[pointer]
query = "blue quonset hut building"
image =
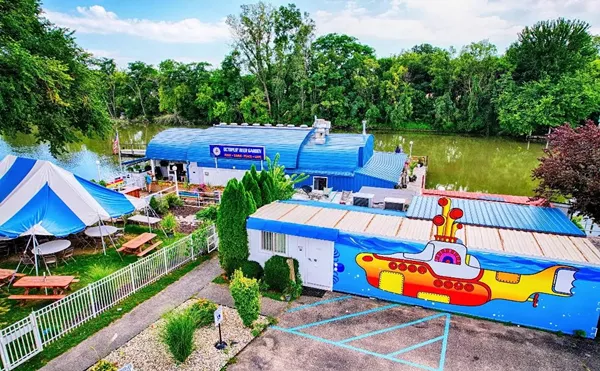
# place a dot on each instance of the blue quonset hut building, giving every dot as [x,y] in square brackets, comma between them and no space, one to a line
[338,161]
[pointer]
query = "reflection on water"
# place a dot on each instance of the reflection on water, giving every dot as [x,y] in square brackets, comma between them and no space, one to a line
[80,158]
[494,165]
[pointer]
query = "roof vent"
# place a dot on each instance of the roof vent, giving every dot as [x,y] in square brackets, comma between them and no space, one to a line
[256,124]
[279,125]
[223,124]
[268,125]
[303,126]
[244,124]
[321,130]
[291,126]
[233,124]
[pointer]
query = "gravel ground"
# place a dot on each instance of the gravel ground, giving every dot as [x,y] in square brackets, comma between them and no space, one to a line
[147,352]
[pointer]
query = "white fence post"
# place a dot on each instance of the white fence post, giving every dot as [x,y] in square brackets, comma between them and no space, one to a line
[132,277]
[192,242]
[4,354]
[92,302]
[166,262]
[36,331]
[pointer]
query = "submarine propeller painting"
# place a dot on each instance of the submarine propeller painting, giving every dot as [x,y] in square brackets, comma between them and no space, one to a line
[445,272]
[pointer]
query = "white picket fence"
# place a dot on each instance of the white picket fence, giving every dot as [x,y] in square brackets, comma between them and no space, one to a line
[24,339]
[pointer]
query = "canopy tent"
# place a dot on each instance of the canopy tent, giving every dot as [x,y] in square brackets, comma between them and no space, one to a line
[39,198]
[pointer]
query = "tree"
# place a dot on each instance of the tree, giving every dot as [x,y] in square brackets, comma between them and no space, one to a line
[550,49]
[571,168]
[283,185]
[251,186]
[231,226]
[265,183]
[46,84]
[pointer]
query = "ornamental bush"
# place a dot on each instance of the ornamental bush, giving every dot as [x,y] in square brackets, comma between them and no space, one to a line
[202,312]
[266,187]
[104,365]
[178,335]
[277,276]
[159,204]
[246,295]
[231,226]
[208,213]
[252,269]
[251,186]
[173,200]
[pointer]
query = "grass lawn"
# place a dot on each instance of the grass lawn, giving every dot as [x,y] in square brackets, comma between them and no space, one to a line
[94,325]
[88,267]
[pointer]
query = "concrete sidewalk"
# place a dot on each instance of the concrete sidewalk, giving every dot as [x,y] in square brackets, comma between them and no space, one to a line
[121,331]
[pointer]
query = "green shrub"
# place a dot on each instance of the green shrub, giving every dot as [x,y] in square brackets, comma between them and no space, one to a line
[202,312]
[199,239]
[277,276]
[250,185]
[104,365]
[178,335]
[265,184]
[173,200]
[252,269]
[169,223]
[246,296]
[159,204]
[208,213]
[231,226]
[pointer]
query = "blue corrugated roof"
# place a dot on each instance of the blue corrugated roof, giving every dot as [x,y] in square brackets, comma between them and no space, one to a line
[340,152]
[384,165]
[193,144]
[172,144]
[500,215]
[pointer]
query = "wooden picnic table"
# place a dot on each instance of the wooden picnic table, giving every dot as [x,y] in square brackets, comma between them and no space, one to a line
[58,284]
[6,275]
[136,245]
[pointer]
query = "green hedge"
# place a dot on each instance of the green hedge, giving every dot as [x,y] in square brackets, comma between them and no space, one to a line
[277,276]
[252,269]
[246,295]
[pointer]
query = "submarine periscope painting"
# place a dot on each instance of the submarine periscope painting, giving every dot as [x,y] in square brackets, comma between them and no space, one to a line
[445,275]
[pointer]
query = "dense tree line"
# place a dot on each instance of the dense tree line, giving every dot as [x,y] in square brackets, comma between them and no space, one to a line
[279,71]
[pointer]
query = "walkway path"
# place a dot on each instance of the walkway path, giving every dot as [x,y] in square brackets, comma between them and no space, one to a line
[121,331]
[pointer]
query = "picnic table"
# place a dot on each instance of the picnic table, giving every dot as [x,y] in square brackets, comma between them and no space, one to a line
[6,275]
[58,284]
[136,245]
[142,219]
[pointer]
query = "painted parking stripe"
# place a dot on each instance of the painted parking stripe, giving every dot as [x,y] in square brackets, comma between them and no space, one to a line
[378,309]
[416,346]
[444,344]
[392,328]
[319,303]
[342,345]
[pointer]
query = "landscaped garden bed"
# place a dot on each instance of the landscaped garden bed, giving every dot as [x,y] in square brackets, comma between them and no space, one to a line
[148,351]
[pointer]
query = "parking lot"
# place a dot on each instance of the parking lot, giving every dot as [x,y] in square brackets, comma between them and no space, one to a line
[343,332]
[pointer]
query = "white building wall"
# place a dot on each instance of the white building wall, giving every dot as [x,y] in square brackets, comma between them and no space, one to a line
[315,257]
[214,176]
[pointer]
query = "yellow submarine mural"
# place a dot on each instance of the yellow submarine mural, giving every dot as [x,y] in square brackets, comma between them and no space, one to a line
[445,272]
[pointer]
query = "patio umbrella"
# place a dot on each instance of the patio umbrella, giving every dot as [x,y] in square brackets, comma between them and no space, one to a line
[38,198]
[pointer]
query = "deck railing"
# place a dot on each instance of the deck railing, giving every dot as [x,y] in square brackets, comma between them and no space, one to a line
[24,339]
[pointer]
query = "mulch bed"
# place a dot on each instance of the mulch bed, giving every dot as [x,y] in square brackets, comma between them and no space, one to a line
[184,211]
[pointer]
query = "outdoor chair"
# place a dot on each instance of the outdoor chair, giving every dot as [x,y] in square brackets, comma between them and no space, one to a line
[27,260]
[5,247]
[50,259]
[68,254]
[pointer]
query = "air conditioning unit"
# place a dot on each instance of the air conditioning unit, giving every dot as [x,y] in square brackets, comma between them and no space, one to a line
[362,199]
[392,203]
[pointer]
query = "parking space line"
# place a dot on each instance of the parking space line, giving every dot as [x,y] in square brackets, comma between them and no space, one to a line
[392,328]
[319,303]
[444,344]
[350,347]
[413,347]
[339,318]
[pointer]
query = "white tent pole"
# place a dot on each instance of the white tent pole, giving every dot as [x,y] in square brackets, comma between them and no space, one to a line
[101,234]
[35,255]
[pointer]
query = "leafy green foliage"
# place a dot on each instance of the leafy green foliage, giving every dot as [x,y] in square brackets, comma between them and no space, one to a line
[252,269]
[104,365]
[251,186]
[173,200]
[208,213]
[202,312]
[178,334]
[235,207]
[277,276]
[199,238]
[159,204]
[246,295]
[283,184]
[99,271]
[47,87]
[265,183]
[169,223]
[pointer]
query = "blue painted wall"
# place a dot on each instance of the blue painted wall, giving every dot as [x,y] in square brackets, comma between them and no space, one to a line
[554,313]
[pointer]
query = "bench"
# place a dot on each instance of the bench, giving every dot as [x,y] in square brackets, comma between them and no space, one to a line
[24,298]
[122,248]
[150,248]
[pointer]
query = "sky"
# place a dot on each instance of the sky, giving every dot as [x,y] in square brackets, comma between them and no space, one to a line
[194,31]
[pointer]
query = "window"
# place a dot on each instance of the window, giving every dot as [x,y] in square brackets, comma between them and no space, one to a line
[274,242]
[319,183]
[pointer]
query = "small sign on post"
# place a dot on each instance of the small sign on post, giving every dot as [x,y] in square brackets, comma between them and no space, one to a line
[218,315]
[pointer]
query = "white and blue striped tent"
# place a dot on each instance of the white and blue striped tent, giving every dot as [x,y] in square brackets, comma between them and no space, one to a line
[39,198]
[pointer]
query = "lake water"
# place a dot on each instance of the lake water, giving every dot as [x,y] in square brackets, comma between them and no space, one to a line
[494,165]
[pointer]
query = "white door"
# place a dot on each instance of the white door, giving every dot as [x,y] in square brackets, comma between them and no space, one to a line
[318,270]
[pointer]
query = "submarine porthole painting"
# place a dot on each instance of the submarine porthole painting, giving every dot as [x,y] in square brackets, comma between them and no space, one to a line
[445,275]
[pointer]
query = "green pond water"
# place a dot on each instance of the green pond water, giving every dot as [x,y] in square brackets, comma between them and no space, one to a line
[494,165]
